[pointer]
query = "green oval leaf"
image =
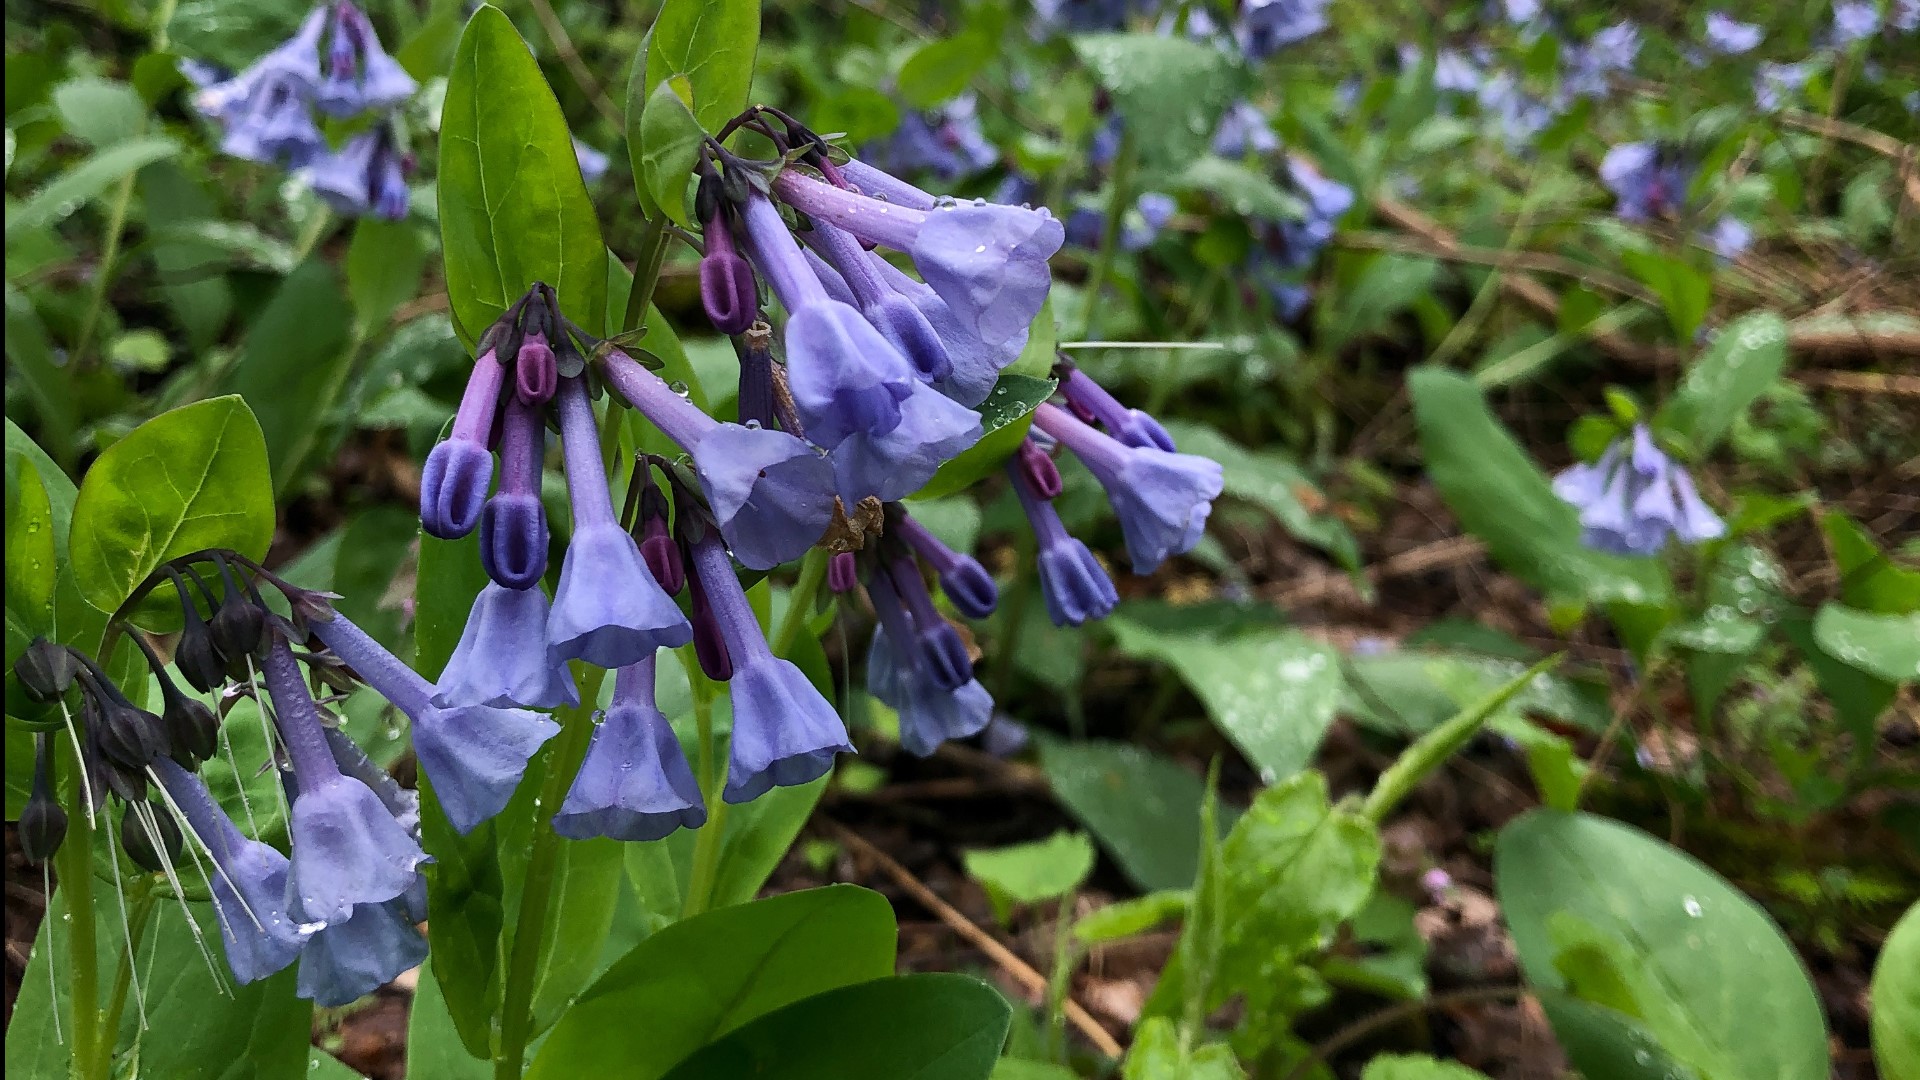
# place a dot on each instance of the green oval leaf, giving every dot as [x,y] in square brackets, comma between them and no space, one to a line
[513,209]
[31,567]
[1896,1000]
[86,181]
[669,147]
[1621,921]
[752,959]
[1171,91]
[1736,369]
[927,1027]
[1004,419]
[192,478]
[1886,646]
[712,43]
[939,70]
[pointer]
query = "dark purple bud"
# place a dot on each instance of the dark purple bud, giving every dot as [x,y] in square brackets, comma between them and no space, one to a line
[238,625]
[199,661]
[43,825]
[151,839]
[727,287]
[192,728]
[843,572]
[1037,467]
[535,371]
[657,548]
[708,644]
[130,738]
[46,671]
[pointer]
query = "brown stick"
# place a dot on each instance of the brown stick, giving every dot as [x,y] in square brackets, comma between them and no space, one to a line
[1440,554]
[1008,961]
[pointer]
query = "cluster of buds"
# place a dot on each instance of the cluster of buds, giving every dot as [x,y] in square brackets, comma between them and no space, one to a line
[345,901]
[332,67]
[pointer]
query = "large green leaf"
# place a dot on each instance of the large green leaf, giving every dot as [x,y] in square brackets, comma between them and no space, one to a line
[192,478]
[1274,694]
[513,209]
[294,364]
[711,43]
[1736,369]
[923,1027]
[1622,921]
[32,567]
[1869,579]
[385,261]
[1896,1000]
[1143,809]
[1884,646]
[434,1049]
[1502,498]
[670,139]
[700,979]
[586,887]
[1170,91]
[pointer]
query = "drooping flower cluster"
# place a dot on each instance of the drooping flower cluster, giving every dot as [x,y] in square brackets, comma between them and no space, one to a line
[332,67]
[1635,498]
[1650,182]
[344,902]
[944,142]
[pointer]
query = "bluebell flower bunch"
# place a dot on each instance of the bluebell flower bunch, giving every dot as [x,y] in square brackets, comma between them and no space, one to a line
[345,899]
[944,142]
[332,68]
[1635,499]
[1650,182]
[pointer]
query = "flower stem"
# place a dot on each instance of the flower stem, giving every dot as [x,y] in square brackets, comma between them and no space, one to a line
[813,571]
[109,254]
[139,915]
[1117,197]
[530,930]
[707,844]
[91,1059]
[646,272]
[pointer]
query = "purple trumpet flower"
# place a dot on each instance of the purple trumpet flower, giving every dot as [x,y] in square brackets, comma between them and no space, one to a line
[1648,181]
[1092,404]
[272,126]
[903,325]
[1074,585]
[1244,129]
[844,375]
[784,732]
[968,586]
[933,429]
[885,186]
[931,711]
[513,527]
[347,849]
[937,648]
[502,660]
[288,74]
[1854,20]
[945,141]
[1777,85]
[475,755]
[352,957]
[1162,499]
[1265,26]
[973,365]
[249,882]
[988,262]
[770,493]
[453,484]
[635,783]
[727,288]
[1589,69]
[1635,498]
[366,178]
[1729,36]
[608,610]
[360,76]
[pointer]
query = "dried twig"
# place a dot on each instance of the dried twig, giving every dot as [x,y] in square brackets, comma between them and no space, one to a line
[1451,551]
[1007,960]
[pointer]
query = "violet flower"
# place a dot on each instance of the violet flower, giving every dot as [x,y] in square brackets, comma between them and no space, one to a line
[360,76]
[1074,585]
[966,583]
[1265,26]
[248,882]
[945,142]
[931,710]
[502,659]
[1091,403]
[608,609]
[453,484]
[347,849]
[1648,182]
[1243,129]
[513,526]
[1161,498]
[264,110]
[474,755]
[784,732]
[352,957]
[973,365]
[366,178]
[770,493]
[1777,85]
[1729,36]
[1588,70]
[635,783]
[1854,20]
[988,262]
[1635,498]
